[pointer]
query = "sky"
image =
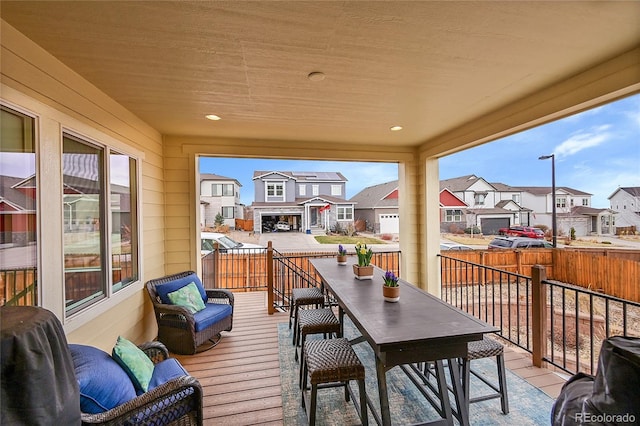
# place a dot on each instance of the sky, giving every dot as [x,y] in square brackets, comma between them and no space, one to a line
[595,151]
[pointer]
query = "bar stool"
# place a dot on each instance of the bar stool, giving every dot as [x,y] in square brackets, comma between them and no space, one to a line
[332,363]
[302,297]
[485,348]
[315,321]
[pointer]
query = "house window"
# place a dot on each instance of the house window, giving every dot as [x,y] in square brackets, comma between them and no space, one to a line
[220,189]
[571,202]
[479,198]
[275,190]
[345,213]
[515,198]
[124,216]
[18,211]
[453,216]
[561,202]
[315,189]
[336,190]
[227,212]
[585,201]
[302,190]
[100,204]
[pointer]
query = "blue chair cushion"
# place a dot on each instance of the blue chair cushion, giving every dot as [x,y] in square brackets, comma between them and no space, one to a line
[213,313]
[166,370]
[163,290]
[103,383]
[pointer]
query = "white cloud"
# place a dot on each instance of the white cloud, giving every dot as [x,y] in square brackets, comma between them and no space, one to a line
[584,140]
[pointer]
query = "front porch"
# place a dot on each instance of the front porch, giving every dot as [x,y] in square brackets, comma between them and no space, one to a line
[241,376]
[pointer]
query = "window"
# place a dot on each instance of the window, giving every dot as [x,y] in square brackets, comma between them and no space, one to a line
[315,189]
[18,209]
[124,217]
[302,190]
[100,204]
[275,190]
[571,202]
[453,216]
[561,202]
[345,213]
[220,189]
[227,212]
[479,198]
[336,190]
[515,198]
[585,201]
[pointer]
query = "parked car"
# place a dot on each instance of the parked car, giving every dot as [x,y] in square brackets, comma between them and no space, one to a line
[226,244]
[283,226]
[522,231]
[453,246]
[517,242]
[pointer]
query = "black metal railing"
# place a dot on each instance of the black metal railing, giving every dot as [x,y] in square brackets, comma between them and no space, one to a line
[579,320]
[561,324]
[497,297]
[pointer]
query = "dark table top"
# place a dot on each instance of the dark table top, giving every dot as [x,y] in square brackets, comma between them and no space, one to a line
[416,320]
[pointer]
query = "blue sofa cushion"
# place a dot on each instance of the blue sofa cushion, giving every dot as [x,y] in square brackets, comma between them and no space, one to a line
[103,383]
[163,290]
[213,313]
[166,370]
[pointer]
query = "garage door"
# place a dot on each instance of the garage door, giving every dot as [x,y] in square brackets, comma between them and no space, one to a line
[491,226]
[389,224]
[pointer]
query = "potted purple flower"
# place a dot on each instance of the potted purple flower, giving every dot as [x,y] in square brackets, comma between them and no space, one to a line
[342,255]
[390,288]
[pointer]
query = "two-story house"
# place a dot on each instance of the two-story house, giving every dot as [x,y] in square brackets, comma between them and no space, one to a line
[625,201]
[491,206]
[307,201]
[219,195]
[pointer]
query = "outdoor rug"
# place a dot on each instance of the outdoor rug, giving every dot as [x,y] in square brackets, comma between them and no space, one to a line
[527,404]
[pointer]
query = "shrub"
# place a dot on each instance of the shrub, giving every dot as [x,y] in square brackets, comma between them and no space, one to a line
[475,230]
[219,220]
[572,232]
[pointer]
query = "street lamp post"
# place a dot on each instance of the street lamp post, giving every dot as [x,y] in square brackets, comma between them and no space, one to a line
[553,195]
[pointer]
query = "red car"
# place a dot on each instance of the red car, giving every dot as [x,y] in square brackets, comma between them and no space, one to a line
[522,231]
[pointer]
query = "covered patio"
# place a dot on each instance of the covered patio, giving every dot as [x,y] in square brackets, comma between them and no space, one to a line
[241,377]
[161,84]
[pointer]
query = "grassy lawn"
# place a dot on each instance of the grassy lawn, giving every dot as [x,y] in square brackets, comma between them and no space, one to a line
[343,239]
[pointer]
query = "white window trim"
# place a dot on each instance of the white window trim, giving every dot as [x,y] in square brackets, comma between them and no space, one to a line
[336,190]
[302,190]
[343,210]
[267,197]
[315,190]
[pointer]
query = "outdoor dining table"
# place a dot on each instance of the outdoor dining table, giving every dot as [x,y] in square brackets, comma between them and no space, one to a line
[418,328]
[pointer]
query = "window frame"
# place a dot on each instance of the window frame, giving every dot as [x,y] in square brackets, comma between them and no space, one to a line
[233,212]
[342,212]
[112,296]
[336,190]
[275,185]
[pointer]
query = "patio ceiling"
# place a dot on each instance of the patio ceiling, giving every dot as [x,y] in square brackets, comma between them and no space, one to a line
[430,67]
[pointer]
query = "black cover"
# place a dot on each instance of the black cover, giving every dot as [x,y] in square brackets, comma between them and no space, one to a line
[612,397]
[39,386]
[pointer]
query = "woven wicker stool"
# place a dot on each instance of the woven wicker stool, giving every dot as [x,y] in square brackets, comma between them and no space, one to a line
[485,348]
[315,321]
[332,363]
[303,297]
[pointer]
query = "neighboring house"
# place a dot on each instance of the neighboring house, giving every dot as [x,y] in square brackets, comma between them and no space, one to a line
[573,210]
[491,206]
[453,213]
[307,201]
[219,194]
[18,221]
[626,203]
[377,207]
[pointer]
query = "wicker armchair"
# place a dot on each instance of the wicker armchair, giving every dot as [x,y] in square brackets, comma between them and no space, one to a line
[176,402]
[177,326]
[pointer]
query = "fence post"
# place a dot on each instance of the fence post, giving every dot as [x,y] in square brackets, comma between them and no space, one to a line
[216,263]
[270,308]
[539,314]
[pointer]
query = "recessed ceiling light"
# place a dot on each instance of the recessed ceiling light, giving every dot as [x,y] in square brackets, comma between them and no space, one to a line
[316,76]
[395,128]
[212,117]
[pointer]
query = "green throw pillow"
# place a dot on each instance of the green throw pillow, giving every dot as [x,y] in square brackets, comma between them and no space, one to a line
[134,361]
[189,297]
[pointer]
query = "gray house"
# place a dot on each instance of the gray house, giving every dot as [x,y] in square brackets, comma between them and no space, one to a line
[376,208]
[307,201]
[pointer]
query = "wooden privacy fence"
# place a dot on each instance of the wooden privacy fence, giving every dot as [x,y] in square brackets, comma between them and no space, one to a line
[598,270]
[244,224]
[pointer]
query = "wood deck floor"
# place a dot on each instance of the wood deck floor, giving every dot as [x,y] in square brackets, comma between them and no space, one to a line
[241,376]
